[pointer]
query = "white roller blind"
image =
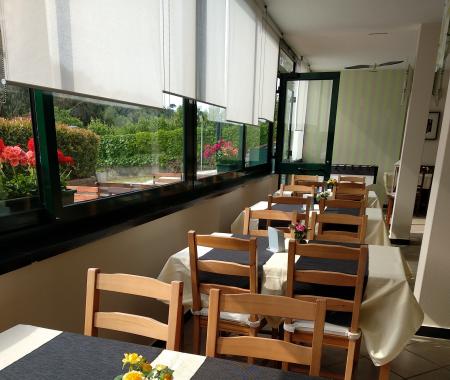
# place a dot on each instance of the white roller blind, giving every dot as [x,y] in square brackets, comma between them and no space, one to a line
[269,69]
[105,48]
[241,62]
[179,31]
[212,23]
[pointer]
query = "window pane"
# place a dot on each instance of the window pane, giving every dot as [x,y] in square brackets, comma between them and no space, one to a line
[108,148]
[286,64]
[18,182]
[219,143]
[256,138]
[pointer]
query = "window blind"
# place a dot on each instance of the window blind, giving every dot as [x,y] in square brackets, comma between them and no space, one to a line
[212,26]
[105,48]
[241,61]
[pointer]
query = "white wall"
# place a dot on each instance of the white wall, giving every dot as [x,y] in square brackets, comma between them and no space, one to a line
[51,293]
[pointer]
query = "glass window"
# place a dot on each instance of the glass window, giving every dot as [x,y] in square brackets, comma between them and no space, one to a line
[219,143]
[18,179]
[256,146]
[107,148]
[286,64]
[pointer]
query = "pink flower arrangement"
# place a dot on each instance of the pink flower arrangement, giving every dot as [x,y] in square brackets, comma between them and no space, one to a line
[220,150]
[299,231]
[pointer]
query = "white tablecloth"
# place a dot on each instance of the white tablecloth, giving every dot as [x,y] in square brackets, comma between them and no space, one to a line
[390,315]
[376,233]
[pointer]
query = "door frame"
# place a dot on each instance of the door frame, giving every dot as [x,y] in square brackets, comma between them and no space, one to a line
[323,169]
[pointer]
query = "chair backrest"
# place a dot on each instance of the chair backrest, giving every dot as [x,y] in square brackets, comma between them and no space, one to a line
[342,203]
[134,324]
[351,191]
[319,221]
[268,215]
[303,177]
[297,201]
[297,190]
[241,246]
[265,348]
[351,179]
[329,277]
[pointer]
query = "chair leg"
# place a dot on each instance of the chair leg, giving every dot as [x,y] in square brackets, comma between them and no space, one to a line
[385,371]
[251,332]
[196,336]
[350,360]
[287,338]
[356,357]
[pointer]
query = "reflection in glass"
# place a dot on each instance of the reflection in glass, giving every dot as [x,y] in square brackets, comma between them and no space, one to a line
[256,139]
[18,180]
[117,148]
[219,143]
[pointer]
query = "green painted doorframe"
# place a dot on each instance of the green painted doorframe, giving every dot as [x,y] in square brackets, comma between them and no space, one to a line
[323,169]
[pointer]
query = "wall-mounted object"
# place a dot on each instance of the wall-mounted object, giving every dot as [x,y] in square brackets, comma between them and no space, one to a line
[432,126]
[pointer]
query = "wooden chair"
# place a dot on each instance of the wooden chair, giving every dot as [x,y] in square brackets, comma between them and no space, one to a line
[302,177]
[342,203]
[269,215]
[351,191]
[352,179]
[295,201]
[297,190]
[241,324]
[134,324]
[347,336]
[266,348]
[319,221]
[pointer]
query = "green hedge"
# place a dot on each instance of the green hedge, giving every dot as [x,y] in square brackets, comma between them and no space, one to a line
[163,148]
[79,143]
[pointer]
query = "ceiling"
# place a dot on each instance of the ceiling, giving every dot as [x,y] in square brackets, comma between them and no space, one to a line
[332,34]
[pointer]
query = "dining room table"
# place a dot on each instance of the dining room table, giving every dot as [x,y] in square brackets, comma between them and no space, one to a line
[390,314]
[376,232]
[30,352]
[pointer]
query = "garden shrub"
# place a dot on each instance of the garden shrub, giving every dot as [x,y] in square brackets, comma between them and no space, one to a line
[79,143]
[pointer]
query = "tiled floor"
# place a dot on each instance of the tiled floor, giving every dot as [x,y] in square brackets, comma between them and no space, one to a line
[423,358]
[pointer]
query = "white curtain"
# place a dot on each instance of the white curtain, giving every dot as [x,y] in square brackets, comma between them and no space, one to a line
[212,26]
[105,48]
[241,61]
[179,55]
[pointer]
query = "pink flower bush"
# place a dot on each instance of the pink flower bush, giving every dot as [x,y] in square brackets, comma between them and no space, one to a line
[221,149]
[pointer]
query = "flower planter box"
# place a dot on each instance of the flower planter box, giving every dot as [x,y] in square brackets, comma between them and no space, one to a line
[9,206]
[67,197]
[228,167]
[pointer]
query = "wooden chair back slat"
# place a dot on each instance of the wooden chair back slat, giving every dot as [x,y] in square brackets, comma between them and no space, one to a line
[223,267]
[134,324]
[135,285]
[298,201]
[303,177]
[265,348]
[351,179]
[257,347]
[297,190]
[326,278]
[333,304]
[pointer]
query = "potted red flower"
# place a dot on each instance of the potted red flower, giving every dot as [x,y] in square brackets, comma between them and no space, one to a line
[223,153]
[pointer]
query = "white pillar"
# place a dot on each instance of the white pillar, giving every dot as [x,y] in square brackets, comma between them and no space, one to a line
[432,287]
[416,121]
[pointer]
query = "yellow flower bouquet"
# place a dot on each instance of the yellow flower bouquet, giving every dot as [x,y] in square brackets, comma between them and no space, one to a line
[140,369]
